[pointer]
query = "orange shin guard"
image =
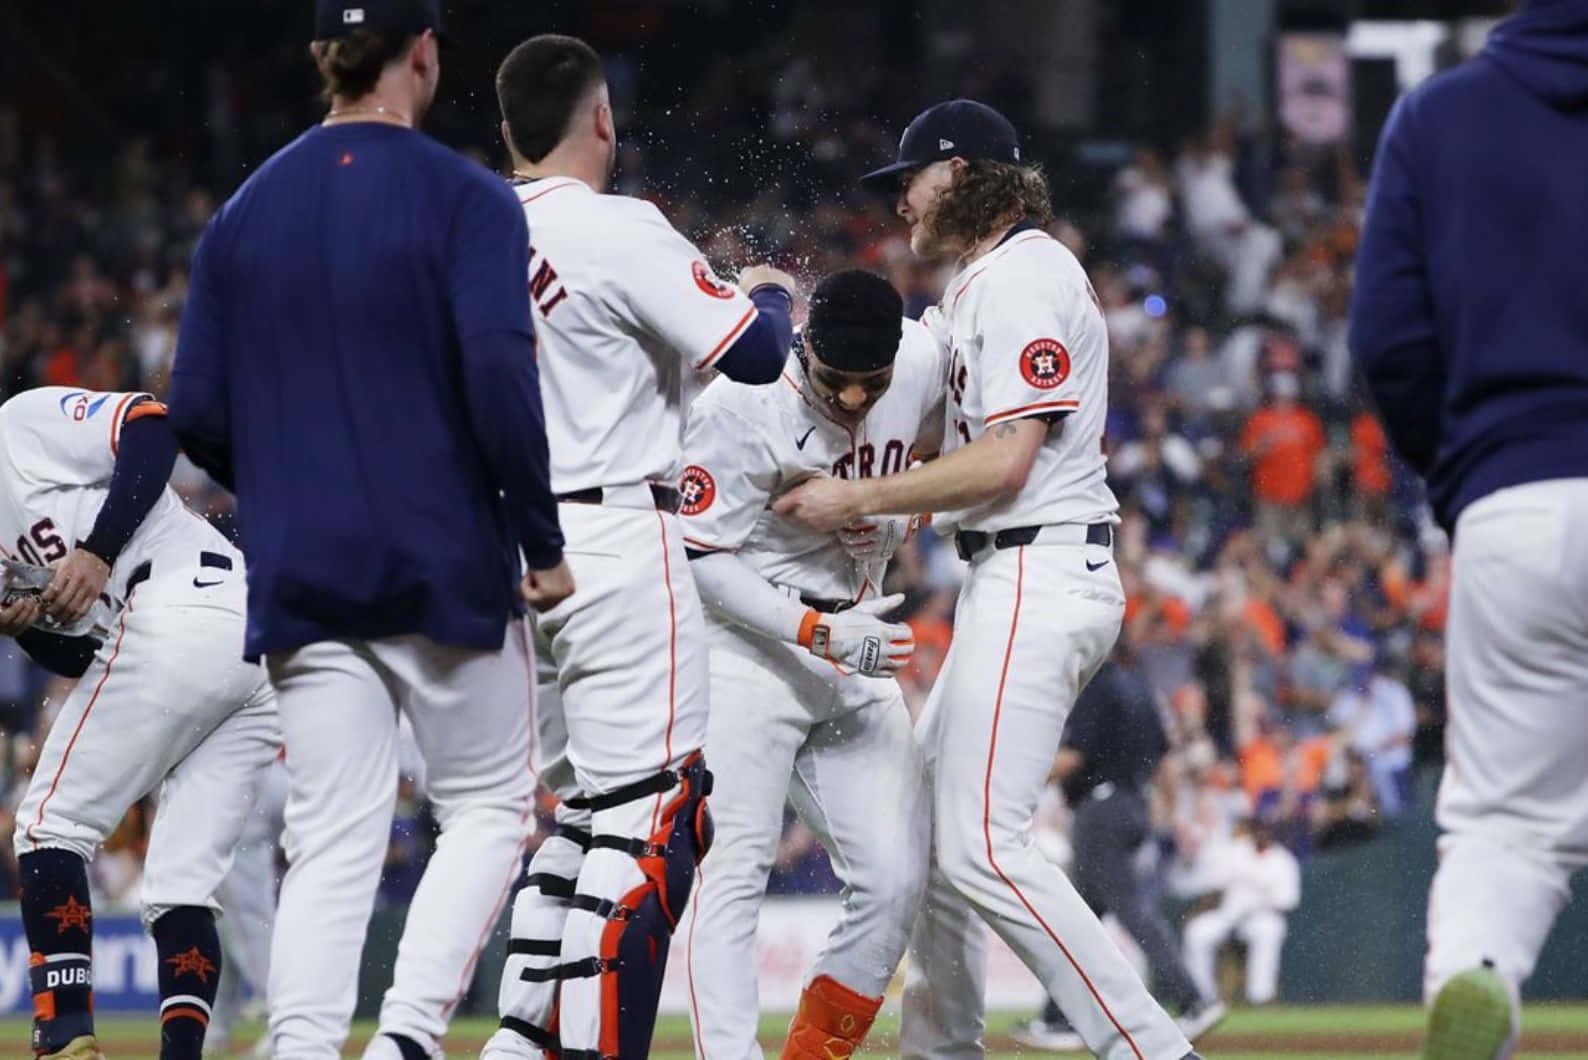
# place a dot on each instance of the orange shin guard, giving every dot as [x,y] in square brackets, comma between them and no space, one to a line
[831,1022]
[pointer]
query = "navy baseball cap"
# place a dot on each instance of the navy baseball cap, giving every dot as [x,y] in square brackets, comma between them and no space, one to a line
[338,18]
[959,128]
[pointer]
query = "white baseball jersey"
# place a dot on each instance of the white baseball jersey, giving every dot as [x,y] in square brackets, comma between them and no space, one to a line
[745,445]
[622,302]
[59,452]
[1026,338]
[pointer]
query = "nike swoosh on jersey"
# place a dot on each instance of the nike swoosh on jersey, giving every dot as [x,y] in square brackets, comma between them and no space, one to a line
[205,585]
[799,443]
[1096,566]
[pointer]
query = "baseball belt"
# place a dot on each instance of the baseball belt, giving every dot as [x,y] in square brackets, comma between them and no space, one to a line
[971,543]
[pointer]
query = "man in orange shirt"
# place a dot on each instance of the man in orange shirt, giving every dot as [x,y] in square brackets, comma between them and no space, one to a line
[1283,441]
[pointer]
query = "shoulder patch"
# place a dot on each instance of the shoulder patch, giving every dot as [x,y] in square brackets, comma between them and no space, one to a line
[1045,363]
[708,282]
[697,489]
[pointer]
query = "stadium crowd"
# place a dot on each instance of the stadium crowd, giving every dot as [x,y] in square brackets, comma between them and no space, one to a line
[1286,596]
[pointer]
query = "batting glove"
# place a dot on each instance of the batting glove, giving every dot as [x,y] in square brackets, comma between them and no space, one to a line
[877,537]
[858,640]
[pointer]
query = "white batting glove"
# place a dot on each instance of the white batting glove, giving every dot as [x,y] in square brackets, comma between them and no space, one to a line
[858,640]
[876,538]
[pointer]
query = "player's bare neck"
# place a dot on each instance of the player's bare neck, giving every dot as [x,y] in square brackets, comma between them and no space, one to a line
[562,162]
[375,106]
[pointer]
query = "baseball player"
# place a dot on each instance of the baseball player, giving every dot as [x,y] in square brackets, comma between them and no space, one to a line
[1020,486]
[804,702]
[622,303]
[1467,323]
[357,360]
[163,699]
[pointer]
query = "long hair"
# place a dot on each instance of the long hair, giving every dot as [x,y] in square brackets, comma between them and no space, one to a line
[985,196]
[349,66]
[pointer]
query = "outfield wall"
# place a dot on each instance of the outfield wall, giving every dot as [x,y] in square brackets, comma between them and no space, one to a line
[1358,936]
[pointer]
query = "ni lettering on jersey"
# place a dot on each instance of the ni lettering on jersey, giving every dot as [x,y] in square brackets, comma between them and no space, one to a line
[623,304]
[746,445]
[1026,338]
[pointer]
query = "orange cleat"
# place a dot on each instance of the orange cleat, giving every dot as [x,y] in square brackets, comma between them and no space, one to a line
[831,1022]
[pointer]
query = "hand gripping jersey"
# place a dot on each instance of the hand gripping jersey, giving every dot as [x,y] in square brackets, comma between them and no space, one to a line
[622,301]
[1026,337]
[746,445]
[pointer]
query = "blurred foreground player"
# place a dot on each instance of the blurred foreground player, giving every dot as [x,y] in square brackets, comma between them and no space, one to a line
[623,305]
[1469,324]
[356,361]
[163,698]
[1021,486]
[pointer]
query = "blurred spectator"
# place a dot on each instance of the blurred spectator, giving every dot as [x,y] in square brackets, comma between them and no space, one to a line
[1376,712]
[1348,812]
[1262,884]
[1283,441]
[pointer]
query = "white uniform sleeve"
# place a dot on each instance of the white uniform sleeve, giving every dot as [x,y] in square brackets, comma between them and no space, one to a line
[673,293]
[929,357]
[1028,356]
[729,475]
[63,436]
[731,588]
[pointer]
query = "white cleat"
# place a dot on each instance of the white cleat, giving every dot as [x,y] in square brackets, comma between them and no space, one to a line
[1048,1037]
[1197,1021]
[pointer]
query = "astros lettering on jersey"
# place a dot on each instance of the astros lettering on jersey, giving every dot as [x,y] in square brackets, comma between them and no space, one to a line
[747,444]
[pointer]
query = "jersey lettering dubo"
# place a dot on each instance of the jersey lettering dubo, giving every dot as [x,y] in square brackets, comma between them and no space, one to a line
[622,303]
[1026,338]
[744,446]
[60,448]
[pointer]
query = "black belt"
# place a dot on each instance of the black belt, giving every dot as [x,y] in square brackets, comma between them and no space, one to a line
[141,572]
[970,542]
[666,497]
[826,607]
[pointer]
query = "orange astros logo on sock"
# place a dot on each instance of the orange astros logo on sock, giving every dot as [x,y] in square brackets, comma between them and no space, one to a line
[192,961]
[73,914]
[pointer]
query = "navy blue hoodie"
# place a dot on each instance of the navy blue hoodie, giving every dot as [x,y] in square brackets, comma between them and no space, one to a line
[1469,319]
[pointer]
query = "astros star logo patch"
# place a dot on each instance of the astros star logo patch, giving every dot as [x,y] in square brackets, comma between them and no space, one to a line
[696,490]
[1045,363]
[191,960]
[73,914]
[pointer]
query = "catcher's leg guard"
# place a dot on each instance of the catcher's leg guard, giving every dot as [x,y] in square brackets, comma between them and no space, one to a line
[649,837]
[527,1001]
[831,1022]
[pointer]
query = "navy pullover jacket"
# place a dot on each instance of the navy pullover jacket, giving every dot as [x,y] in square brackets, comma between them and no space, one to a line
[1469,319]
[356,362]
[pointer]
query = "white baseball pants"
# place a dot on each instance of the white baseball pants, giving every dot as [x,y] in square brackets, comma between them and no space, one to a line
[780,731]
[1513,804]
[1032,626]
[1263,931]
[339,701]
[168,698]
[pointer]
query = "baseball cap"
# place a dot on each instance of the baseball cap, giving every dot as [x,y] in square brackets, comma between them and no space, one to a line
[338,18]
[959,128]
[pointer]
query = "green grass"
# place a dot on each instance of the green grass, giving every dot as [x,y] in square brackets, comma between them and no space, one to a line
[1276,1033]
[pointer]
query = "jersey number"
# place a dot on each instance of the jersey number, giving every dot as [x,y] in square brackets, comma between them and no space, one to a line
[49,546]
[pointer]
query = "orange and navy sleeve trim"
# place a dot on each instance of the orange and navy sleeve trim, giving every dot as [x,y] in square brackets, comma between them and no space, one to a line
[728,339]
[132,407]
[1038,409]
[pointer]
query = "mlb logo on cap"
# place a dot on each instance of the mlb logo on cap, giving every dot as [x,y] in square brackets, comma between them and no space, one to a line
[352,16]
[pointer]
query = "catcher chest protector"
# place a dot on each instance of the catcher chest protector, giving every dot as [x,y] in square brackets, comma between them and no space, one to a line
[639,922]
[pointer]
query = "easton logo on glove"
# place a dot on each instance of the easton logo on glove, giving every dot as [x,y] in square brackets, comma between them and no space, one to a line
[857,640]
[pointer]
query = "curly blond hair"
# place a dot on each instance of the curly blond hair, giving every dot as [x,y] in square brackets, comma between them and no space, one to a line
[985,196]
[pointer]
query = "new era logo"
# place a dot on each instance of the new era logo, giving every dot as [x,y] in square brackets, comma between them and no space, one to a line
[944,145]
[352,16]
